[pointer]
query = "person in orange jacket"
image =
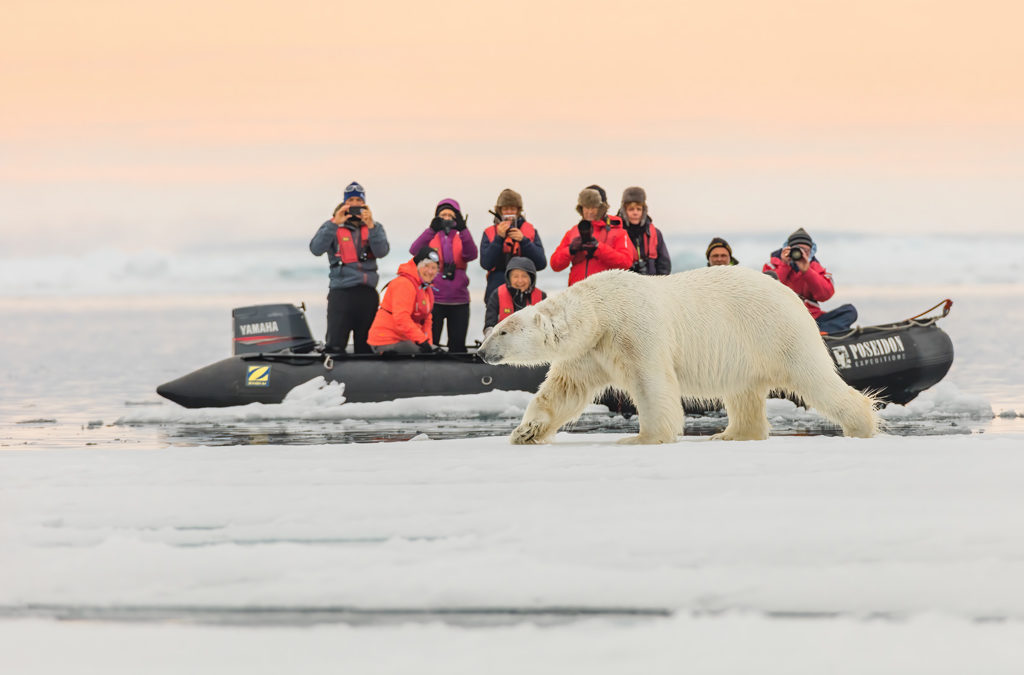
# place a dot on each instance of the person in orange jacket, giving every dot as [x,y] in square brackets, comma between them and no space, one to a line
[403,322]
[597,243]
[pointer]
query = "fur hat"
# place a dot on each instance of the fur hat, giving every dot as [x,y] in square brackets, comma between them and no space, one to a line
[633,195]
[592,199]
[800,237]
[508,197]
[426,253]
[718,242]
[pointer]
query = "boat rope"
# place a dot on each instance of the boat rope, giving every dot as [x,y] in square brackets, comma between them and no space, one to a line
[945,310]
[328,362]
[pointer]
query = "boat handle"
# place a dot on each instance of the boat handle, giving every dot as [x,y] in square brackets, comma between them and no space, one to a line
[486,380]
[328,362]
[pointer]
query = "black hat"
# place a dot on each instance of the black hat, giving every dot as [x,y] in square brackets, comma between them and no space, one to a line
[718,242]
[426,253]
[800,237]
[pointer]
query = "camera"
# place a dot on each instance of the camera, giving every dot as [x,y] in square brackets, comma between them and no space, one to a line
[796,253]
[448,272]
[355,211]
[586,231]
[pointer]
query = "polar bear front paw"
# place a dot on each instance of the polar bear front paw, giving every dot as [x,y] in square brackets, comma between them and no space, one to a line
[528,433]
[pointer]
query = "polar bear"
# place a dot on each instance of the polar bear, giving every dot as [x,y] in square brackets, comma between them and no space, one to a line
[725,334]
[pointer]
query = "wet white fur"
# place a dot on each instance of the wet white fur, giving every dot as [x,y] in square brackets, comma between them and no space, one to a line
[719,333]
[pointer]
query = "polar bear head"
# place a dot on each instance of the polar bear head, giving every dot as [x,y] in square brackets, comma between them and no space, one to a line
[546,332]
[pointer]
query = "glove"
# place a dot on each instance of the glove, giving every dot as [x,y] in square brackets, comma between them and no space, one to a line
[575,245]
[460,222]
[437,224]
[425,347]
[590,247]
[586,229]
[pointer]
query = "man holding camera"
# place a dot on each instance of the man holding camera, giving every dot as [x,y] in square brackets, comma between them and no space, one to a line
[796,267]
[353,242]
[510,236]
[597,243]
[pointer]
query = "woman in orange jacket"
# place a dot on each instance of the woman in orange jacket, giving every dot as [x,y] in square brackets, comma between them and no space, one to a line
[403,322]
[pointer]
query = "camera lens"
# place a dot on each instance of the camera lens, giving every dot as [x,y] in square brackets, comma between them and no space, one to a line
[795,254]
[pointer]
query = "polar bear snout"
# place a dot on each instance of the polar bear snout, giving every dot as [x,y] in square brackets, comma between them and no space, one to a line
[489,354]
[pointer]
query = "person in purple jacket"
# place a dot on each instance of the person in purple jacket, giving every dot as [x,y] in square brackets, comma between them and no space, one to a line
[448,234]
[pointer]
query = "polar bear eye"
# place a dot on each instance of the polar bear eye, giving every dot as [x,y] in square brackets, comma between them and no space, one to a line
[504,332]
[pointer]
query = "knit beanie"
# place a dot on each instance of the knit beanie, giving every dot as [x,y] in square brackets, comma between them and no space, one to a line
[354,189]
[717,242]
[799,237]
[426,253]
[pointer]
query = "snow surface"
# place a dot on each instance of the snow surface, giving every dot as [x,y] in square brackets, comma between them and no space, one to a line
[736,643]
[885,539]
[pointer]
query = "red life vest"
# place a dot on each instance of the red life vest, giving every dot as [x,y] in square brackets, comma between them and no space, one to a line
[505,306]
[511,248]
[650,244]
[435,243]
[347,251]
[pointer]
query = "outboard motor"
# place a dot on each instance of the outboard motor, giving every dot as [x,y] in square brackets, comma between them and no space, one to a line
[271,328]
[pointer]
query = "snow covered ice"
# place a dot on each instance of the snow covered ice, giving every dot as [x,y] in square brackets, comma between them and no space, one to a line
[227,540]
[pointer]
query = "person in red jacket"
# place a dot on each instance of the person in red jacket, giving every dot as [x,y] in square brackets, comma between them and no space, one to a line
[403,321]
[796,266]
[597,243]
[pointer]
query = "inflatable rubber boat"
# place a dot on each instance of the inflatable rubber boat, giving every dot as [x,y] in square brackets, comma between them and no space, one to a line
[274,351]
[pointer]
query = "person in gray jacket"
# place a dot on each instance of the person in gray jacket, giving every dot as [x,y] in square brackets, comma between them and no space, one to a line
[519,291]
[353,241]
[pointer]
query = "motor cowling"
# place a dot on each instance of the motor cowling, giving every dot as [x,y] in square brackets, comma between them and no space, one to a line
[271,328]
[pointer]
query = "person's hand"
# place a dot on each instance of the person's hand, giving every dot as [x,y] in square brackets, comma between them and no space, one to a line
[437,224]
[502,227]
[575,246]
[341,215]
[460,222]
[590,246]
[515,234]
[367,217]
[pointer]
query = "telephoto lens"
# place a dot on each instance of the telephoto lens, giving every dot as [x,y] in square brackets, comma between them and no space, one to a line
[796,253]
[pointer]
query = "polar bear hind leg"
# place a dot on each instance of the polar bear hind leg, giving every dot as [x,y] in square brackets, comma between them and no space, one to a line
[748,416]
[841,403]
[565,393]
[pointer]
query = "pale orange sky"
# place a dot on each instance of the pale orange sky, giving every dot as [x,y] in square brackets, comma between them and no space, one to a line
[210,109]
